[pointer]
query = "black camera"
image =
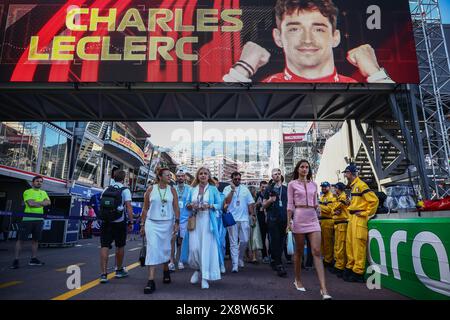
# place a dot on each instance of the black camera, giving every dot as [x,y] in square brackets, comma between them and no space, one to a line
[272,192]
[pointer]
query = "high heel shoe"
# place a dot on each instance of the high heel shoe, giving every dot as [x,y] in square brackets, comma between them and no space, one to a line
[299,288]
[325,296]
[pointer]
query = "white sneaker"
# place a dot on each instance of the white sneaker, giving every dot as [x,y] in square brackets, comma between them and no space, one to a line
[241,263]
[180,266]
[222,269]
[205,284]
[194,278]
[171,266]
[235,269]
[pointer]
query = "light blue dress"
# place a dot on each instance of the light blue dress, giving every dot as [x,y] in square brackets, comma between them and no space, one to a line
[201,247]
[221,229]
[184,212]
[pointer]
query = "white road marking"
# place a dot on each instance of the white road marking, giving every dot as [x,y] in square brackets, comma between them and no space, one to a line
[134,249]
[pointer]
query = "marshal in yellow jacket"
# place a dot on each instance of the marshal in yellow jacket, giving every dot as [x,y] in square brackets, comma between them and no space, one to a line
[364,201]
[340,207]
[326,204]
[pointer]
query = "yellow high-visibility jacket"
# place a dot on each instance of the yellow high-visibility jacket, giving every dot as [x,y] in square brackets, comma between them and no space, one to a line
[364,201]
[342,206]
[326,204]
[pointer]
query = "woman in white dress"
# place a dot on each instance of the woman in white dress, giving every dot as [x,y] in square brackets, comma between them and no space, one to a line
[159,213]
[202,244]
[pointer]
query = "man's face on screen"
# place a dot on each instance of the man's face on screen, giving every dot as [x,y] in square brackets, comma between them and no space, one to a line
[307,39]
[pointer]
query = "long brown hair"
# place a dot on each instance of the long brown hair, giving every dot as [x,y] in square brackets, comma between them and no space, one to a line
[297,166]
[197,180]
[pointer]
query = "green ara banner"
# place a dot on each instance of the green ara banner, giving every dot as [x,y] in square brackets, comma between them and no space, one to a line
[412,256]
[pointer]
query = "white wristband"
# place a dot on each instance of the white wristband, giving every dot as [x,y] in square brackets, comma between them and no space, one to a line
[235,76]
[380,77]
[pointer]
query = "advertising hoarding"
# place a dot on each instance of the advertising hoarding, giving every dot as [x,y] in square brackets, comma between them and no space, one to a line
[413,256]
[293,137]
[346,41]
[127,143]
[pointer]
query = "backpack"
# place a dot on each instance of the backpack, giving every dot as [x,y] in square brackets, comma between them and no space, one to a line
[110,200]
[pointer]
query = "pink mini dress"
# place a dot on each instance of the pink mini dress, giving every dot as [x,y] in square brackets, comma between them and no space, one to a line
[305,220]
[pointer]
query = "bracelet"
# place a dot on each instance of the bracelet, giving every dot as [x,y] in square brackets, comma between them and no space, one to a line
[247,66]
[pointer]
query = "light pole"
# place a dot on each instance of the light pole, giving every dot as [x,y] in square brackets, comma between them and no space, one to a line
[154,151]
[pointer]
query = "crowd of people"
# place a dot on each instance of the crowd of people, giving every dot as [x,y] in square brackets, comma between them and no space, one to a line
[183,225]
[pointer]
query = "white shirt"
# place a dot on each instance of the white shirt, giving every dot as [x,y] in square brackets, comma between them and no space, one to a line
[243,195]
[195,196]
[126,196]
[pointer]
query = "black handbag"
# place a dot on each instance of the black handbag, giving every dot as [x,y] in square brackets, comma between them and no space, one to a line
[143,252]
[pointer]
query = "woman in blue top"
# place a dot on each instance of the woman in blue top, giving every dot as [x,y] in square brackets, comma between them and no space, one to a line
[201,246]
[221,229]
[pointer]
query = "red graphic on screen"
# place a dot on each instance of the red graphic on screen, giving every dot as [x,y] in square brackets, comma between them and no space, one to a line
[216,51]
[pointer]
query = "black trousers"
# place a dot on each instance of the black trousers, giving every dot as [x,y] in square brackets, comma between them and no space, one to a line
[263,228]
[277,236]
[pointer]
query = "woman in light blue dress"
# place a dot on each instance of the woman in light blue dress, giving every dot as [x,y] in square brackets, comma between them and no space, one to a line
[221,229]
[201,246]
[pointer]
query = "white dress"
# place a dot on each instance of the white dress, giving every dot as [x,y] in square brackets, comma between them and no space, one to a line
[159,227]
[203,250]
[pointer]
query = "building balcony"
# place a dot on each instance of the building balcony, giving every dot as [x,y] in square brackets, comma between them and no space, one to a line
[124,149]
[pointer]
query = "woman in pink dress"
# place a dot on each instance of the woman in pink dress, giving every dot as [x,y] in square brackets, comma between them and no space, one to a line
[303,221]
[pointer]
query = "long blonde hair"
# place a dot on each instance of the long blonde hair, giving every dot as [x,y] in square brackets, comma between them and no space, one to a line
[196,181]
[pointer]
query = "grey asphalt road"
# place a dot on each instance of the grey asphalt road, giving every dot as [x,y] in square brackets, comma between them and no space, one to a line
[253,282]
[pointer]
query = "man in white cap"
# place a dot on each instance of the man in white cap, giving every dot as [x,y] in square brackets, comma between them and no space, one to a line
[183,191]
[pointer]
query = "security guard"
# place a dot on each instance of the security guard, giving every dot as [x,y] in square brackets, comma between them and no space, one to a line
[340,218]
[327,224]
[363,205]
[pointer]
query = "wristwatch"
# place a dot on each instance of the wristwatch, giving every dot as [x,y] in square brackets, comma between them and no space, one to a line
[177,221]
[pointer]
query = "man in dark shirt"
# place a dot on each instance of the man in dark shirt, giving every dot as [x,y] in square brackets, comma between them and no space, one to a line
[261,213]
[275,204]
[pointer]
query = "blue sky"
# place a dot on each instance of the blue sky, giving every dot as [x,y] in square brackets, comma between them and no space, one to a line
[444,5]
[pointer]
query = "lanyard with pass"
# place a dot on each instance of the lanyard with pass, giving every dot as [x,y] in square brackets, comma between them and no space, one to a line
[180,196]
[237,196]
[280,203]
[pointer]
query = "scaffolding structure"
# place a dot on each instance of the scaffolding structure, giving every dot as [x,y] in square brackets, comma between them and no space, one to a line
[432,96]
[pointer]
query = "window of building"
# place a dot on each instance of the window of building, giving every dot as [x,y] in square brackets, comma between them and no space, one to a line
[19,144]
[122,130]
[89,163]
[98,129]
[55,154]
